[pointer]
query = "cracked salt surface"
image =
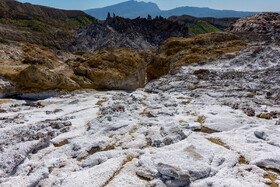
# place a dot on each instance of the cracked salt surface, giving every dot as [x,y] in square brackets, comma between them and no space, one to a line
[198,127]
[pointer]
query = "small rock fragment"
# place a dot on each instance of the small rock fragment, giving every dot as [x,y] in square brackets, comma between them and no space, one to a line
[249,111]
[264,116]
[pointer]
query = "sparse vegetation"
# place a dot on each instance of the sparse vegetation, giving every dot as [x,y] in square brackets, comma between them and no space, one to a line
[31,24]
[201,27]
[81,21]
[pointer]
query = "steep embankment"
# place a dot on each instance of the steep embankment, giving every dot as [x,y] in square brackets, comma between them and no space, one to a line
[38,24]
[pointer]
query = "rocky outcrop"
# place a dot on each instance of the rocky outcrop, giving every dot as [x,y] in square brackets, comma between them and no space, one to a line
[177,52]
[34,55]
[35,69]
[114,69]
[138,33]
[98,36]
[267,23]
[38,69]
[39,78]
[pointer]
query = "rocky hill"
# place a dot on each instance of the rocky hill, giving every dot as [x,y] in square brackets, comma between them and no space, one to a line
[139,33]
[267,24]
[38,24]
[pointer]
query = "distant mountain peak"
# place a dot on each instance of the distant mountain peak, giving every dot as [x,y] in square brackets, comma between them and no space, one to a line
[128,9]
[133,8]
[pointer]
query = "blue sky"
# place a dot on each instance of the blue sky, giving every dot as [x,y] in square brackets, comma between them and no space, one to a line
[243,5]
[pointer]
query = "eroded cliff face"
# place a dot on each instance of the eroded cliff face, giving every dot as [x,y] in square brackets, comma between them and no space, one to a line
[139,33]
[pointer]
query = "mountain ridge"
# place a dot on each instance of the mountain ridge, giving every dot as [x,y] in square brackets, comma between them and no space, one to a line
[12,6]
[130,9]
[37,24]
[125,9]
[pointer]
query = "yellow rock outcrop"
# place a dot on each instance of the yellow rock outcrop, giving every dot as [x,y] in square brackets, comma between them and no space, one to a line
[40,78]
[33,68]
[114,69]
[177,52]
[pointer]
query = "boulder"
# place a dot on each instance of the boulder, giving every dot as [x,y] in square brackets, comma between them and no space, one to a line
[114,69]
[39,78]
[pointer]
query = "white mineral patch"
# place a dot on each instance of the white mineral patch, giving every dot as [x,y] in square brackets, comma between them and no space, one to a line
[180,130]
